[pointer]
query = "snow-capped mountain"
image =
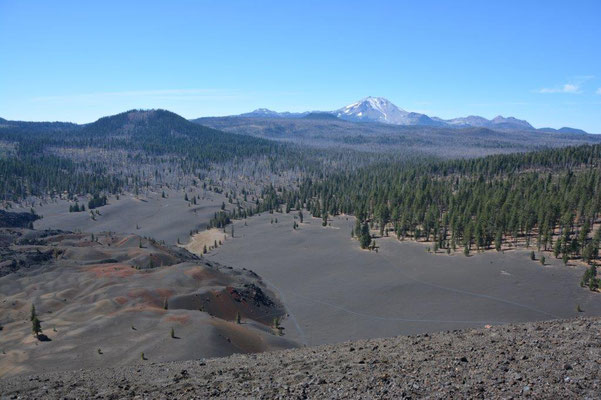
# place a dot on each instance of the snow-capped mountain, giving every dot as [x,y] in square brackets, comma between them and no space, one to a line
[381,110]
[373,109]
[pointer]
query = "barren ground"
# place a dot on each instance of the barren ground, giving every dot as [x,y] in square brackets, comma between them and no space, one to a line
[334,291]
[103,301]
[549,360]
[150,215]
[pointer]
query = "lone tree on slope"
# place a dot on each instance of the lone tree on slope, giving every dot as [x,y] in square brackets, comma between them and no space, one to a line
[36,327]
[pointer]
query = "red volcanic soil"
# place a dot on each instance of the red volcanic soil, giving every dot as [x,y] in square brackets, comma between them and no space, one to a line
[111,270]
[96,311]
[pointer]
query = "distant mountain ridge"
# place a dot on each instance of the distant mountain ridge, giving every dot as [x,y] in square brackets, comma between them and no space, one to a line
[267,113]
[565,129]
[367,110]
[381,110]
[499,122]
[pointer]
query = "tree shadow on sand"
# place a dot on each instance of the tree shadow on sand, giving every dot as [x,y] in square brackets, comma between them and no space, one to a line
[43,338]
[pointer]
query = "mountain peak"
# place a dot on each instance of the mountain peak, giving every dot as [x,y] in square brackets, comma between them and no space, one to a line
[377,101]
[376,109]
[380,109]
[137,121]
[260,112]
[510,122]
[267,113]
[374,102]
[263,111]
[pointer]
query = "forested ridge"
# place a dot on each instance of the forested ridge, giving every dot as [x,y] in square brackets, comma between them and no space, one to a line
[121,152]
[160,132]
[155,132]
[548,199]
[37,156]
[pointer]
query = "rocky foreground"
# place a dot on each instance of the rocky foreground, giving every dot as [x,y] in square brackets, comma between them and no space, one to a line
[555,359]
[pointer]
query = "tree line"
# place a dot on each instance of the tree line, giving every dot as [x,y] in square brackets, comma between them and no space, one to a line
[550,199]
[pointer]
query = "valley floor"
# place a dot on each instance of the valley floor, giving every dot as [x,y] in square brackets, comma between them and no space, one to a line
[166,219]
[334,291]
[555,359]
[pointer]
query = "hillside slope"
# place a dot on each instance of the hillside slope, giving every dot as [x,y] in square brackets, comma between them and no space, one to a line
[111,299]
[555,359]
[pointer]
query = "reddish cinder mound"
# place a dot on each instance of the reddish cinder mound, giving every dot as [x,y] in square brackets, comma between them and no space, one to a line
[104,299]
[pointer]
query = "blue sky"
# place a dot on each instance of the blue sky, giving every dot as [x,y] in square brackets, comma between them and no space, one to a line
[78,61]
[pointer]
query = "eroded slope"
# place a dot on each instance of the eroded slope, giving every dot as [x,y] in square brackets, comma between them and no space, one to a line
[105,299]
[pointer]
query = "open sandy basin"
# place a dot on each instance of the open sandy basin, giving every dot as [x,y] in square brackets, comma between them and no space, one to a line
[334,291]
[169,219]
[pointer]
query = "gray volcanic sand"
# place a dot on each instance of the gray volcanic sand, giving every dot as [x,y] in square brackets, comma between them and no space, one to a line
[334,291]
[160,218]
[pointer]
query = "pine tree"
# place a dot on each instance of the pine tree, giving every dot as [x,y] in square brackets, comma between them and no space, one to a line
[498,240]
[36,326]
[557,248]
[365,237]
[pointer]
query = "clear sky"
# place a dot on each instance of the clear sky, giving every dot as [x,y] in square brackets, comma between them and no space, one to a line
[80,60]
